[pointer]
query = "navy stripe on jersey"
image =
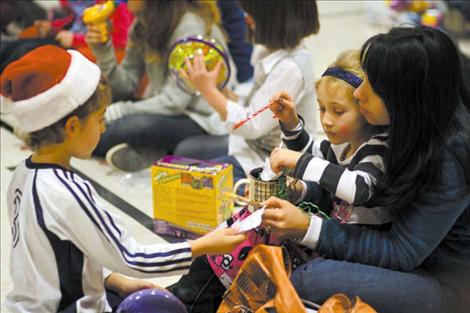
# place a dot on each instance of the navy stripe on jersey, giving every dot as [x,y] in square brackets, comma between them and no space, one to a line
[69,258]
[100,217]
[123,250]
[90,198]
[157,254]
[15,234]
[89,191]
[112,223]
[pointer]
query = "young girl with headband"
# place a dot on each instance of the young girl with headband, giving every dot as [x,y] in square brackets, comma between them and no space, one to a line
[342,170]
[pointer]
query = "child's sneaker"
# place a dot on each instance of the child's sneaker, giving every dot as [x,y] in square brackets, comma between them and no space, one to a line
[128,159]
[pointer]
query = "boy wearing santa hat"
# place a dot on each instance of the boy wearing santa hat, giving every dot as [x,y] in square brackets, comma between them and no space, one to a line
[62,237]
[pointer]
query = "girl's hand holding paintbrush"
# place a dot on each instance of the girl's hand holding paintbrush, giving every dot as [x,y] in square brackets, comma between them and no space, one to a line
[283,108]
[276,104]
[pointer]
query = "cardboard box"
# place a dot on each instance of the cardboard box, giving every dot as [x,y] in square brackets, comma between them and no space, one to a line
[167,229]
[191,194]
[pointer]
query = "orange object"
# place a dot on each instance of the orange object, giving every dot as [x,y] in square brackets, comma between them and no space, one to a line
[340,303]
[263,283]
[29,32]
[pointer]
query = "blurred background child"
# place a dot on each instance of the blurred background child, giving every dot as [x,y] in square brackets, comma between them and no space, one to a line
[281,62]
[64,27]
[140,131]
[233,22]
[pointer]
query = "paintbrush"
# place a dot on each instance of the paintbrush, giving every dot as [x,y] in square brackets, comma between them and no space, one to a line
[248,118]
[254,203]
[243,121]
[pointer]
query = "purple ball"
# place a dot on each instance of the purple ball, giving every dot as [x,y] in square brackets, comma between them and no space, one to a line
[151,301]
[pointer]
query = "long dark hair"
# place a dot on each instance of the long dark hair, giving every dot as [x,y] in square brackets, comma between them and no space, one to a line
[417,74]
[282,24]
[158,19]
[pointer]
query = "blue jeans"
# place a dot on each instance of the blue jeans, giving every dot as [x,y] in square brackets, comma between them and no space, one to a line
[203,147]
[384,289]
[238,172]
[148,130]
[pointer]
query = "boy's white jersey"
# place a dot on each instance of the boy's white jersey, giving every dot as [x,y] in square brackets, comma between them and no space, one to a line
[62,237]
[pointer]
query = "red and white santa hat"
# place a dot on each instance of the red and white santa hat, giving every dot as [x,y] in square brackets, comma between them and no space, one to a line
[46,84]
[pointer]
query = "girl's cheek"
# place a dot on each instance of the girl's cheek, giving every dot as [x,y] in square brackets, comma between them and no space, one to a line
[344,129]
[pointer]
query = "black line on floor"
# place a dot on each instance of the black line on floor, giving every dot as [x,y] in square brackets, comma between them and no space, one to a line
[112,198]
[6,126]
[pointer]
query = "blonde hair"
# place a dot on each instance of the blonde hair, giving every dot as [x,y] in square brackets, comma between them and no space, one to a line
[349,61]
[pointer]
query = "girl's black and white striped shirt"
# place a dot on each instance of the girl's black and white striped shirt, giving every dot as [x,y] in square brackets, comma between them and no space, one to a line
[349,181]
[63,238]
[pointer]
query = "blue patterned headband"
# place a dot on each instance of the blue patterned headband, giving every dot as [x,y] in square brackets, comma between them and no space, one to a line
[348,77]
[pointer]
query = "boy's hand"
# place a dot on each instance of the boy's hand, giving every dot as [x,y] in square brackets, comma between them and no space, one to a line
[124,286]
[219,241]
[283,108]
[133,285]
[282,158]
[196,73]
[65,38]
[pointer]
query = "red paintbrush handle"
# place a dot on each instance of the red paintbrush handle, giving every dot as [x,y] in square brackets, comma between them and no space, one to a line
[243,121]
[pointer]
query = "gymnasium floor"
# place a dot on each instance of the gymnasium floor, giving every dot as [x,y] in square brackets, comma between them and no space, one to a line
[344,25]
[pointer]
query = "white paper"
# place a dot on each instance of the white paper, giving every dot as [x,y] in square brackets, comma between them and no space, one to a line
[267,174]
[252,221]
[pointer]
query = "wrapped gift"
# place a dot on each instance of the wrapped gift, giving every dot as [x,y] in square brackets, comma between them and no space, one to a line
[190,194]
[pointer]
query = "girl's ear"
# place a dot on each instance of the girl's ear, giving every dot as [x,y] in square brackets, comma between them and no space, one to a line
[73,127]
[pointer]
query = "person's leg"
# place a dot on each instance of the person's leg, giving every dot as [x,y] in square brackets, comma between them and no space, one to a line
[134,142]
[200,290]
[113,300]
[384,289]
[238,172]
[148,130]
[203,147]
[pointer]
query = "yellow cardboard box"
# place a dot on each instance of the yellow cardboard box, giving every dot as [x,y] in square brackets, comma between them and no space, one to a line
[192,194]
